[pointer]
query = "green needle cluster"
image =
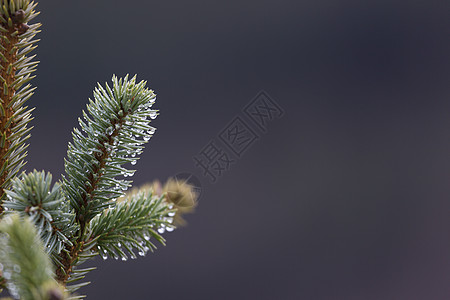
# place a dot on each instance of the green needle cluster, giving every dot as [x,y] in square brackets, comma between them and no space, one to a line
[49,229]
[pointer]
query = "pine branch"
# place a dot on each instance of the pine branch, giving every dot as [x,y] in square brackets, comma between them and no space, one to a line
[78,218]
[112,134]
[26,266]
[131,224]
[16,68]
[126,228]
[32,195]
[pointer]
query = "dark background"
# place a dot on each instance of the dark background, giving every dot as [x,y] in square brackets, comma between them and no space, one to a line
[345,196]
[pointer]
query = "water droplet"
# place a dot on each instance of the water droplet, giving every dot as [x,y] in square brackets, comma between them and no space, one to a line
[153,114]
[7,275]
[134,162]
[161,230]
[124,258]
[109,130]
[17,268]
[146,237]
[169,229]
[171,214]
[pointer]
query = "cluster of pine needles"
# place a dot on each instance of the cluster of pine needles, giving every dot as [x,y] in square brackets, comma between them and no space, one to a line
[49,229]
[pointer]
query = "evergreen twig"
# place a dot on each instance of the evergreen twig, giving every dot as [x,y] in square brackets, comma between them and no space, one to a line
[26,266]
[47,231]
[16,69]
[131,224]
[112,134]
[33,196]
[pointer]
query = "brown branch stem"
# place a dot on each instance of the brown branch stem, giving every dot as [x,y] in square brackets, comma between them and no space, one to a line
[7,71]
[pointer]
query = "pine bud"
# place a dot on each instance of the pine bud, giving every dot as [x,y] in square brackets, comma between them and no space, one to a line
[22,28]
[19,16]
[55,294]
[183,195]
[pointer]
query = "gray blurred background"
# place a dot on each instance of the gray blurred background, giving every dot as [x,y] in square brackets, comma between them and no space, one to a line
[346,196]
